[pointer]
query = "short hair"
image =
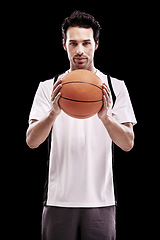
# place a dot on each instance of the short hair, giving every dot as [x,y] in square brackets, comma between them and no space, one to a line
[83,20]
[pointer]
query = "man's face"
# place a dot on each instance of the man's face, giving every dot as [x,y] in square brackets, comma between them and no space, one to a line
[80,46]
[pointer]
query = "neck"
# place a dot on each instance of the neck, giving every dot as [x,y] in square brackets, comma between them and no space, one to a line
[90,68]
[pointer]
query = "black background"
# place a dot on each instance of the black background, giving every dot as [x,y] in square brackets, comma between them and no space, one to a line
[36,54]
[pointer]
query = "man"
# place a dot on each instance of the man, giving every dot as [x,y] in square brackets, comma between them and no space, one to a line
[79,200]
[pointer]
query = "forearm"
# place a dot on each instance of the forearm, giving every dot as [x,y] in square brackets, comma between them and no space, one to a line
[38,131]
[121,134]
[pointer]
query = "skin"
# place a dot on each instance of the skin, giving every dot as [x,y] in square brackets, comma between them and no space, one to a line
[80,46]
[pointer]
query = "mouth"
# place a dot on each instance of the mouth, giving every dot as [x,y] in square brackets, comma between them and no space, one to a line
[80,59]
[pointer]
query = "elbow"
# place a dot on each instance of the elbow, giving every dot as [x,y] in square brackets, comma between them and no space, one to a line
[31,144]
[129,145]
[30,140]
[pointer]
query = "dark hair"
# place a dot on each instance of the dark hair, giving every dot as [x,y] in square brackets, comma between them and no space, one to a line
[83,20]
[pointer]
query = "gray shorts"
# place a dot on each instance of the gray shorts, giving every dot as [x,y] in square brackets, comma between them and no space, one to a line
[60,223]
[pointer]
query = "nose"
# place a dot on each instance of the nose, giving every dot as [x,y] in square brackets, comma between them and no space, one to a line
[80,50]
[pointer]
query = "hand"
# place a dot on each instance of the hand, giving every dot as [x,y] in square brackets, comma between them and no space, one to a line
[55,96]
[103,113]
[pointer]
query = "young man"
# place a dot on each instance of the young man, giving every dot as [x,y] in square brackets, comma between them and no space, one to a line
[80,200]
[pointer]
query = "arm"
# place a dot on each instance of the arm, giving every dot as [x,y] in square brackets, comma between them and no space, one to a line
[39,130]
[121,134]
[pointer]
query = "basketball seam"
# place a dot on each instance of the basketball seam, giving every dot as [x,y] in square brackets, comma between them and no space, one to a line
[69,99]
[83,82]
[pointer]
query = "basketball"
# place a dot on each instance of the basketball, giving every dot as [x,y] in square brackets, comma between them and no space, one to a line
[81,94]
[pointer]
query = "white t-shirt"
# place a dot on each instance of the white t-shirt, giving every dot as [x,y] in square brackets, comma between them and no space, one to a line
[80,165]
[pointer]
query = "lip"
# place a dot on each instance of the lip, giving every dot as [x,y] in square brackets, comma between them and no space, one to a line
[80,58]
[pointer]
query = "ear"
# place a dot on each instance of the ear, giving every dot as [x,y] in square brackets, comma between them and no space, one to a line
[96,45]
[64,45]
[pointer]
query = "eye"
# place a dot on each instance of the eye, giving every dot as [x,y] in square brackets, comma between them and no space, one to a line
[73,44]
[86,43]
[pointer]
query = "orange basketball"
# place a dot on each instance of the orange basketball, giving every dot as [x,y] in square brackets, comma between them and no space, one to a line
[81,94]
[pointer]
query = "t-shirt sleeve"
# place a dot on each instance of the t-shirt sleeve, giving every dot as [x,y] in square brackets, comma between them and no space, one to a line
[41,103]
[123,110]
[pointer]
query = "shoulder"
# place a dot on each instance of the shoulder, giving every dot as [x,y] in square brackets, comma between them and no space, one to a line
[46,84]
[117,84]
[45,87]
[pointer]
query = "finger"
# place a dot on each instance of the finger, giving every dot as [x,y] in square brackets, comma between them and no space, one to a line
[59,81]
[56,99]
[104,101]
[56,91]
[104,86]
[106,93]
[108,97]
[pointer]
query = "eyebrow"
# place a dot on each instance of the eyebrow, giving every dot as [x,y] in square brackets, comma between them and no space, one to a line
[86,40]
